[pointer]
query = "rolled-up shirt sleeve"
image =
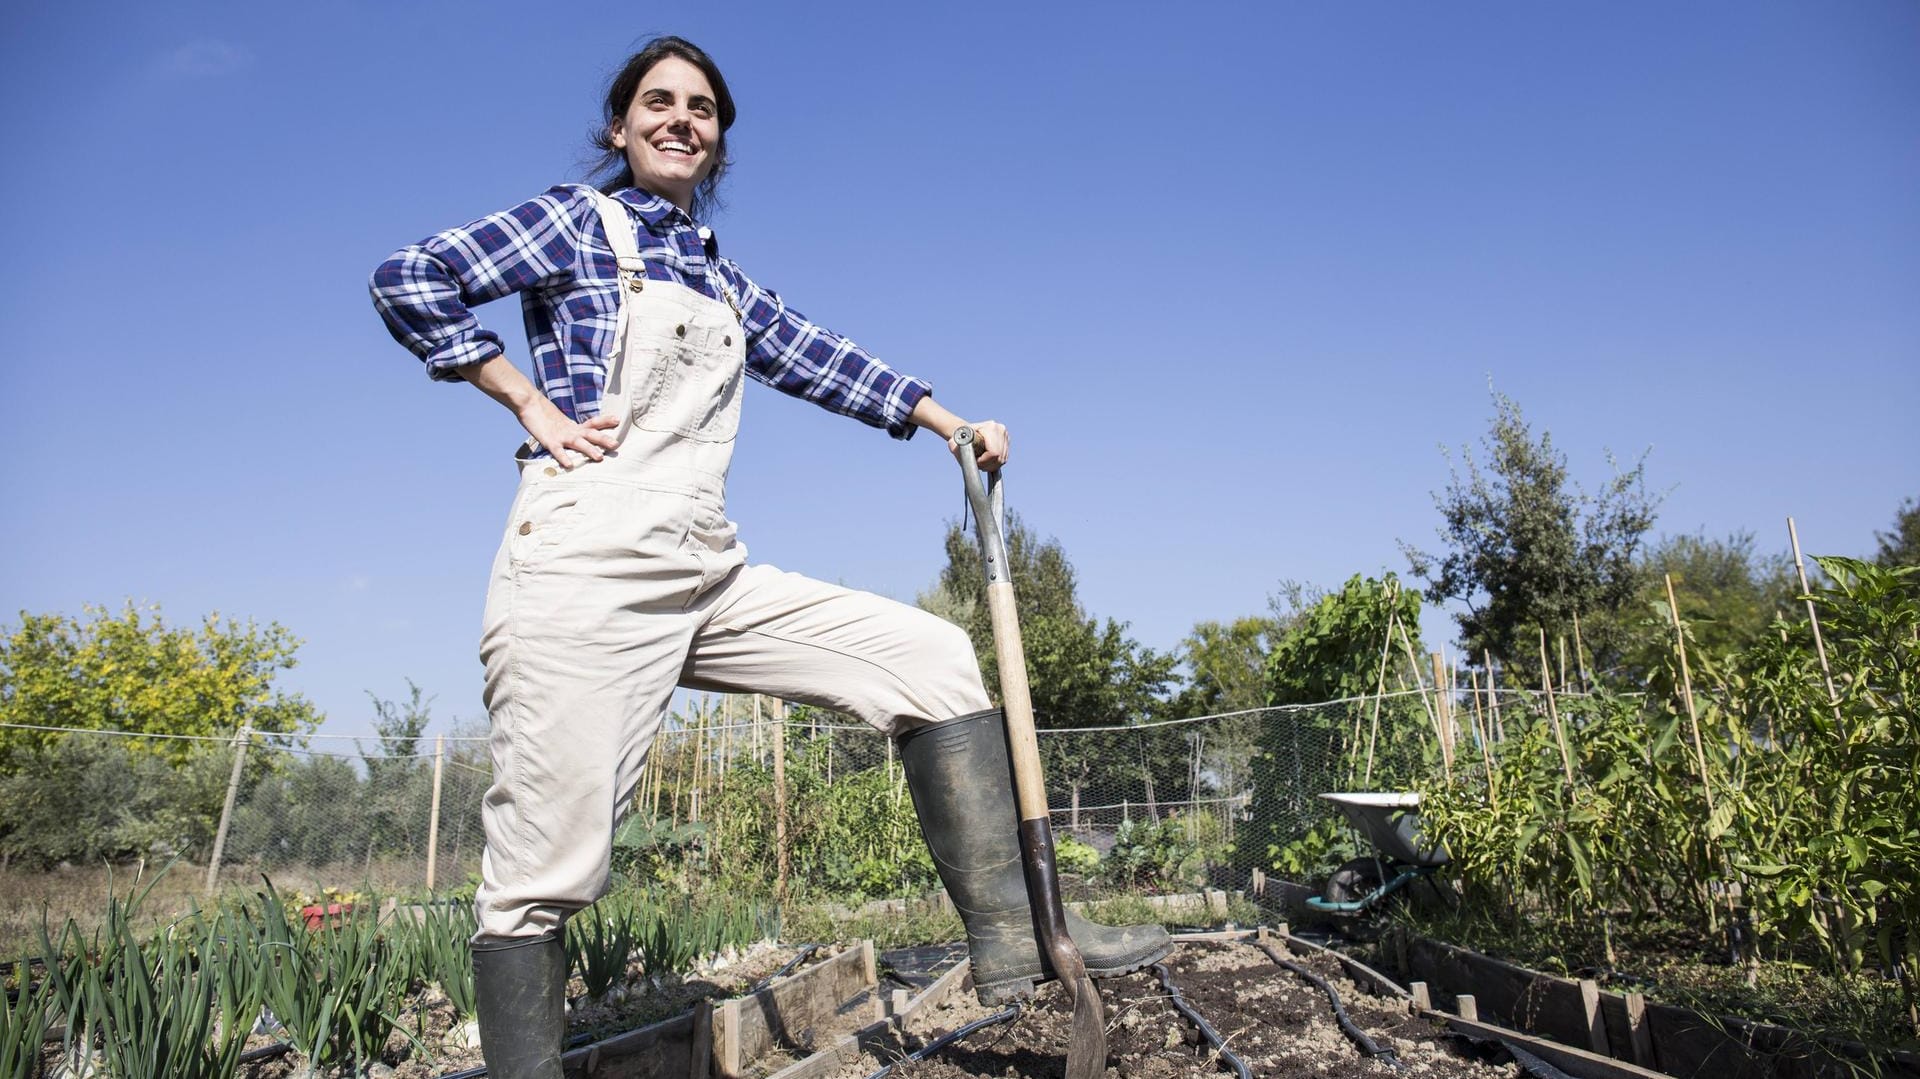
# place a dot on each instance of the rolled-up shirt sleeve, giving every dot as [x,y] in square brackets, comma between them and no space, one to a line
[810,362]
[425,292]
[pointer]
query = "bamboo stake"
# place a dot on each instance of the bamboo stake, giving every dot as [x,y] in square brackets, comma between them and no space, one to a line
[1562,638]
[433,814]
[1482,735]
[1580,656]
[1413,662]
[1813,619]
[1686,689]
[1553,710]
[1379,690]
[1493,698]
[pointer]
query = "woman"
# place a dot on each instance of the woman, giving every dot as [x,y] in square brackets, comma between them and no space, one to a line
[620,576]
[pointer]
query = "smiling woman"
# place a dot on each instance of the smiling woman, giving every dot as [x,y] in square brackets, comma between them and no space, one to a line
[619,574]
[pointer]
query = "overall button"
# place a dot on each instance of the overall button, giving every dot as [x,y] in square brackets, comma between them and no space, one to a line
[727,340]
[526,528]
[553,472]
[680,330]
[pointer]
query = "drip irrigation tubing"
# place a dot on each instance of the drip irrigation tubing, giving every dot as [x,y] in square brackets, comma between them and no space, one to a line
[1531,1064]
[1354,1033]
[1011,1012]
[1206,1029]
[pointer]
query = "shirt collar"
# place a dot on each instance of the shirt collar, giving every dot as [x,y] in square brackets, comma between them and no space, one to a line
[652,208]
[656,211]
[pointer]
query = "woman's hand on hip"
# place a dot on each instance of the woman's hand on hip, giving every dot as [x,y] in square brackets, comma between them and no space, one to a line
[499,379]
[563,437]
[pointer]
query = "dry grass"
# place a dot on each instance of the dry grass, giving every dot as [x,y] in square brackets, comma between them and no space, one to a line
[80,892]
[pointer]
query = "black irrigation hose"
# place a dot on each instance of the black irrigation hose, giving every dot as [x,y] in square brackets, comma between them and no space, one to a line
[1180,1004]
[1531,1064]
[1354,1034]
[1012,1012]
[805,951]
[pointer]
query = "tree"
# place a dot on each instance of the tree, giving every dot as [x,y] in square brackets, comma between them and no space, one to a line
[1083,672]
[105,795]
[1525,549]
[1729,596]
[131,672]
[1901,547]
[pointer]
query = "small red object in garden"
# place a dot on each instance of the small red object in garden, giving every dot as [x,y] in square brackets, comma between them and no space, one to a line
[331,915]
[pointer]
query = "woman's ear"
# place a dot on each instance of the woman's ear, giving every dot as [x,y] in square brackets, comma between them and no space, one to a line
[617,132]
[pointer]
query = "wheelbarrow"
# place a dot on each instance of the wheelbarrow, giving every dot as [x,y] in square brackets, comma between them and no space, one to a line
[1391,823]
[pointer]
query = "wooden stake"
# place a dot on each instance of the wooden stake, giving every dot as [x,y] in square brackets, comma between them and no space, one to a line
[1562,638]
[1553,710]
[1686,691]
[1481,735]
[1493,698]
[1580,656]
[1813,620]
[241,739]
[1379,691]
[782,859]
[1443,709]
[433,814]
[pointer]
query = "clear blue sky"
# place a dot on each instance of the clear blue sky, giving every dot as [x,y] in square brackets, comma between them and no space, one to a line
[1231,274]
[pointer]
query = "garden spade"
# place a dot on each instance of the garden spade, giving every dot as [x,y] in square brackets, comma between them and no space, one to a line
[1087,1045]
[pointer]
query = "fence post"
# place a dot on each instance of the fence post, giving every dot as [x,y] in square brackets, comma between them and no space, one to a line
[240,741]
[1443,706]
[781,859]
[433,815]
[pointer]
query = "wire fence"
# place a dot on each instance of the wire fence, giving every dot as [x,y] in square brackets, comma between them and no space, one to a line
[1158,806]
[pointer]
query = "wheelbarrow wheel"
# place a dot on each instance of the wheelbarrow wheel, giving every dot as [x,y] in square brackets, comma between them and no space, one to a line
[1355,880]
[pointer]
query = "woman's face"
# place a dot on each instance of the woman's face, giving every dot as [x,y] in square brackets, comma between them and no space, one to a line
[671,132]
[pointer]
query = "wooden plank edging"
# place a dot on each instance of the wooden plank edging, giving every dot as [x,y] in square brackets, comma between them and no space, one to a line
[936,994]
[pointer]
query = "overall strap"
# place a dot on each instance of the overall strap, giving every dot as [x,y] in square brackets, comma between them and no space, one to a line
[619,228]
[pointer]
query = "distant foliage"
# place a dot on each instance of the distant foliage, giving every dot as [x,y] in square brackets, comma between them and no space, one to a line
[1901,546]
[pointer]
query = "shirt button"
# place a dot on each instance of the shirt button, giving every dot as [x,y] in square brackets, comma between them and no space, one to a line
[680,330]
[526,528]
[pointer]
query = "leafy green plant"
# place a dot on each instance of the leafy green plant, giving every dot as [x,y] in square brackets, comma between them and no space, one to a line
[438,951]
[336,989]
[600,940]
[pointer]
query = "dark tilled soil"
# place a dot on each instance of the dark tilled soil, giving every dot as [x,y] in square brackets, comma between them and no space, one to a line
[1276,1022]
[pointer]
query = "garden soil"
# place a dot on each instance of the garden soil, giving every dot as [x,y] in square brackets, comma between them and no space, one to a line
[1280,1025]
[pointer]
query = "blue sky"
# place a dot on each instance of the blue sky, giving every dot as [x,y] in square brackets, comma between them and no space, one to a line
[1232,274]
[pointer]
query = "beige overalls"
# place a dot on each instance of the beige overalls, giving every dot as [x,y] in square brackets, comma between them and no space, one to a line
[622,578]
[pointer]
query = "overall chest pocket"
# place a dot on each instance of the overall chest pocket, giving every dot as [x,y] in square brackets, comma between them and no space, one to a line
[694,388]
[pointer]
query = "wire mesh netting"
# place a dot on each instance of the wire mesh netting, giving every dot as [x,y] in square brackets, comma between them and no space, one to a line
[1143,808]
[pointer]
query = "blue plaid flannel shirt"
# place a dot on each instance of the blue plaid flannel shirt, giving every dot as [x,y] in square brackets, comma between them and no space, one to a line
[553,250]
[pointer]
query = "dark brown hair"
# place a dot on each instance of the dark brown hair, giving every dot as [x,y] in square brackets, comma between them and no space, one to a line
[612,161]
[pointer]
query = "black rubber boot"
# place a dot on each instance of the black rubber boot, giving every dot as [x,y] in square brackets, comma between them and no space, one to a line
[962,784]
[520,991]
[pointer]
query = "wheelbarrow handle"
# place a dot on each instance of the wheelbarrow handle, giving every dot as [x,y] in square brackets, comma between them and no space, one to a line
[989,506]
